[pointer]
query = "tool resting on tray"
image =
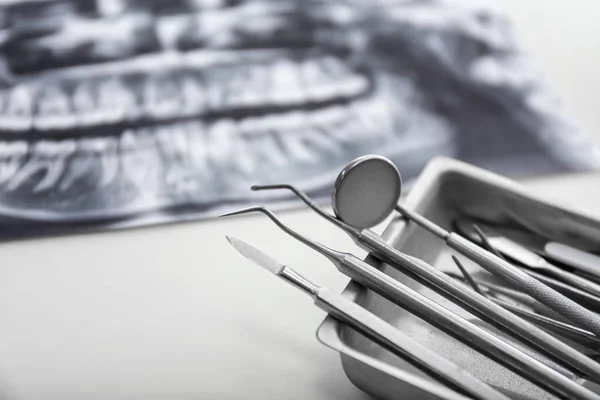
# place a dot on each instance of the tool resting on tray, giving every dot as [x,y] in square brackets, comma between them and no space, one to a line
[534,289]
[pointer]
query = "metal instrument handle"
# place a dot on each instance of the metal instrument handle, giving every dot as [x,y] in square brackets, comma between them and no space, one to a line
[566,307]
[403,346]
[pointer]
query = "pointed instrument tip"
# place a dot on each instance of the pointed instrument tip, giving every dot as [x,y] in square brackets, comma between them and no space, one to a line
[468,276]
[486,242]
[256,256]
[270,187]
[232,213]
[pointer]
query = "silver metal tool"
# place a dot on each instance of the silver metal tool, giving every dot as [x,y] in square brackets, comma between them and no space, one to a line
[586,299]
[504,291]
[376,329]
[440,317]
[467,276]
[582,297]
[567,331]
[524,256]
[566,307]
[573,257]
[536,289]
[444,285]
[588,276]
[577,335]
[568,255]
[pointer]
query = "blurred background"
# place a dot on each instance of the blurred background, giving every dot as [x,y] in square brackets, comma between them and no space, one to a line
[119,113]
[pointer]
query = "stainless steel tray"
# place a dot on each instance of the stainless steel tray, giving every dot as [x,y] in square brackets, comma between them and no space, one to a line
[447,188]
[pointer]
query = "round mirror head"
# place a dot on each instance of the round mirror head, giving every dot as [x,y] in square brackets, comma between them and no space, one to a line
[366,191]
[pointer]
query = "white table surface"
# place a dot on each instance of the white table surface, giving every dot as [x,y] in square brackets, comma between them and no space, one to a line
[173,313]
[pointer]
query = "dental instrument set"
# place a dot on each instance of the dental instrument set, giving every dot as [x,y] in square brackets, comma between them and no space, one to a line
[556,322]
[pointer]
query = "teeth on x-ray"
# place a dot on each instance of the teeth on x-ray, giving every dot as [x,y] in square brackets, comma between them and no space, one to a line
[259,134]
[268,149]
[343,125]
[47,157]
[172,102]
[197,145]
[140,159]
[173,143]
[326,78]
[376,115]
[350,83]
[292,137]
[174,147]
[18,111]
[221,135]
[303,137]
[96,161]
[291,120]
[348,129]
[286,86]
[115,101]
[248,86]
[194,96]
[245,163]
[11,157]
[169,30]
[330,120]
[216,92]
[85,105]
[319,141]
[173,150]
[161,98]
[318,86]
[53,109]
[106,150]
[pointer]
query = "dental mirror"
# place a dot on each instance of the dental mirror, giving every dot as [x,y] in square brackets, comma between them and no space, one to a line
[366,191]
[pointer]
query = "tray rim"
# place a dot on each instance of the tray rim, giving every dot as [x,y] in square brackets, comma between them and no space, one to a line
[328,332]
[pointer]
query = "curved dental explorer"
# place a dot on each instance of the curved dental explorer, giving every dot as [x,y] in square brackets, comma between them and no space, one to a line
[440,317]
[376,329]
[444,285]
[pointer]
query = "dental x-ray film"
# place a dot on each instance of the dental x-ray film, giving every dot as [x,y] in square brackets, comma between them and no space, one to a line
[120,113]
